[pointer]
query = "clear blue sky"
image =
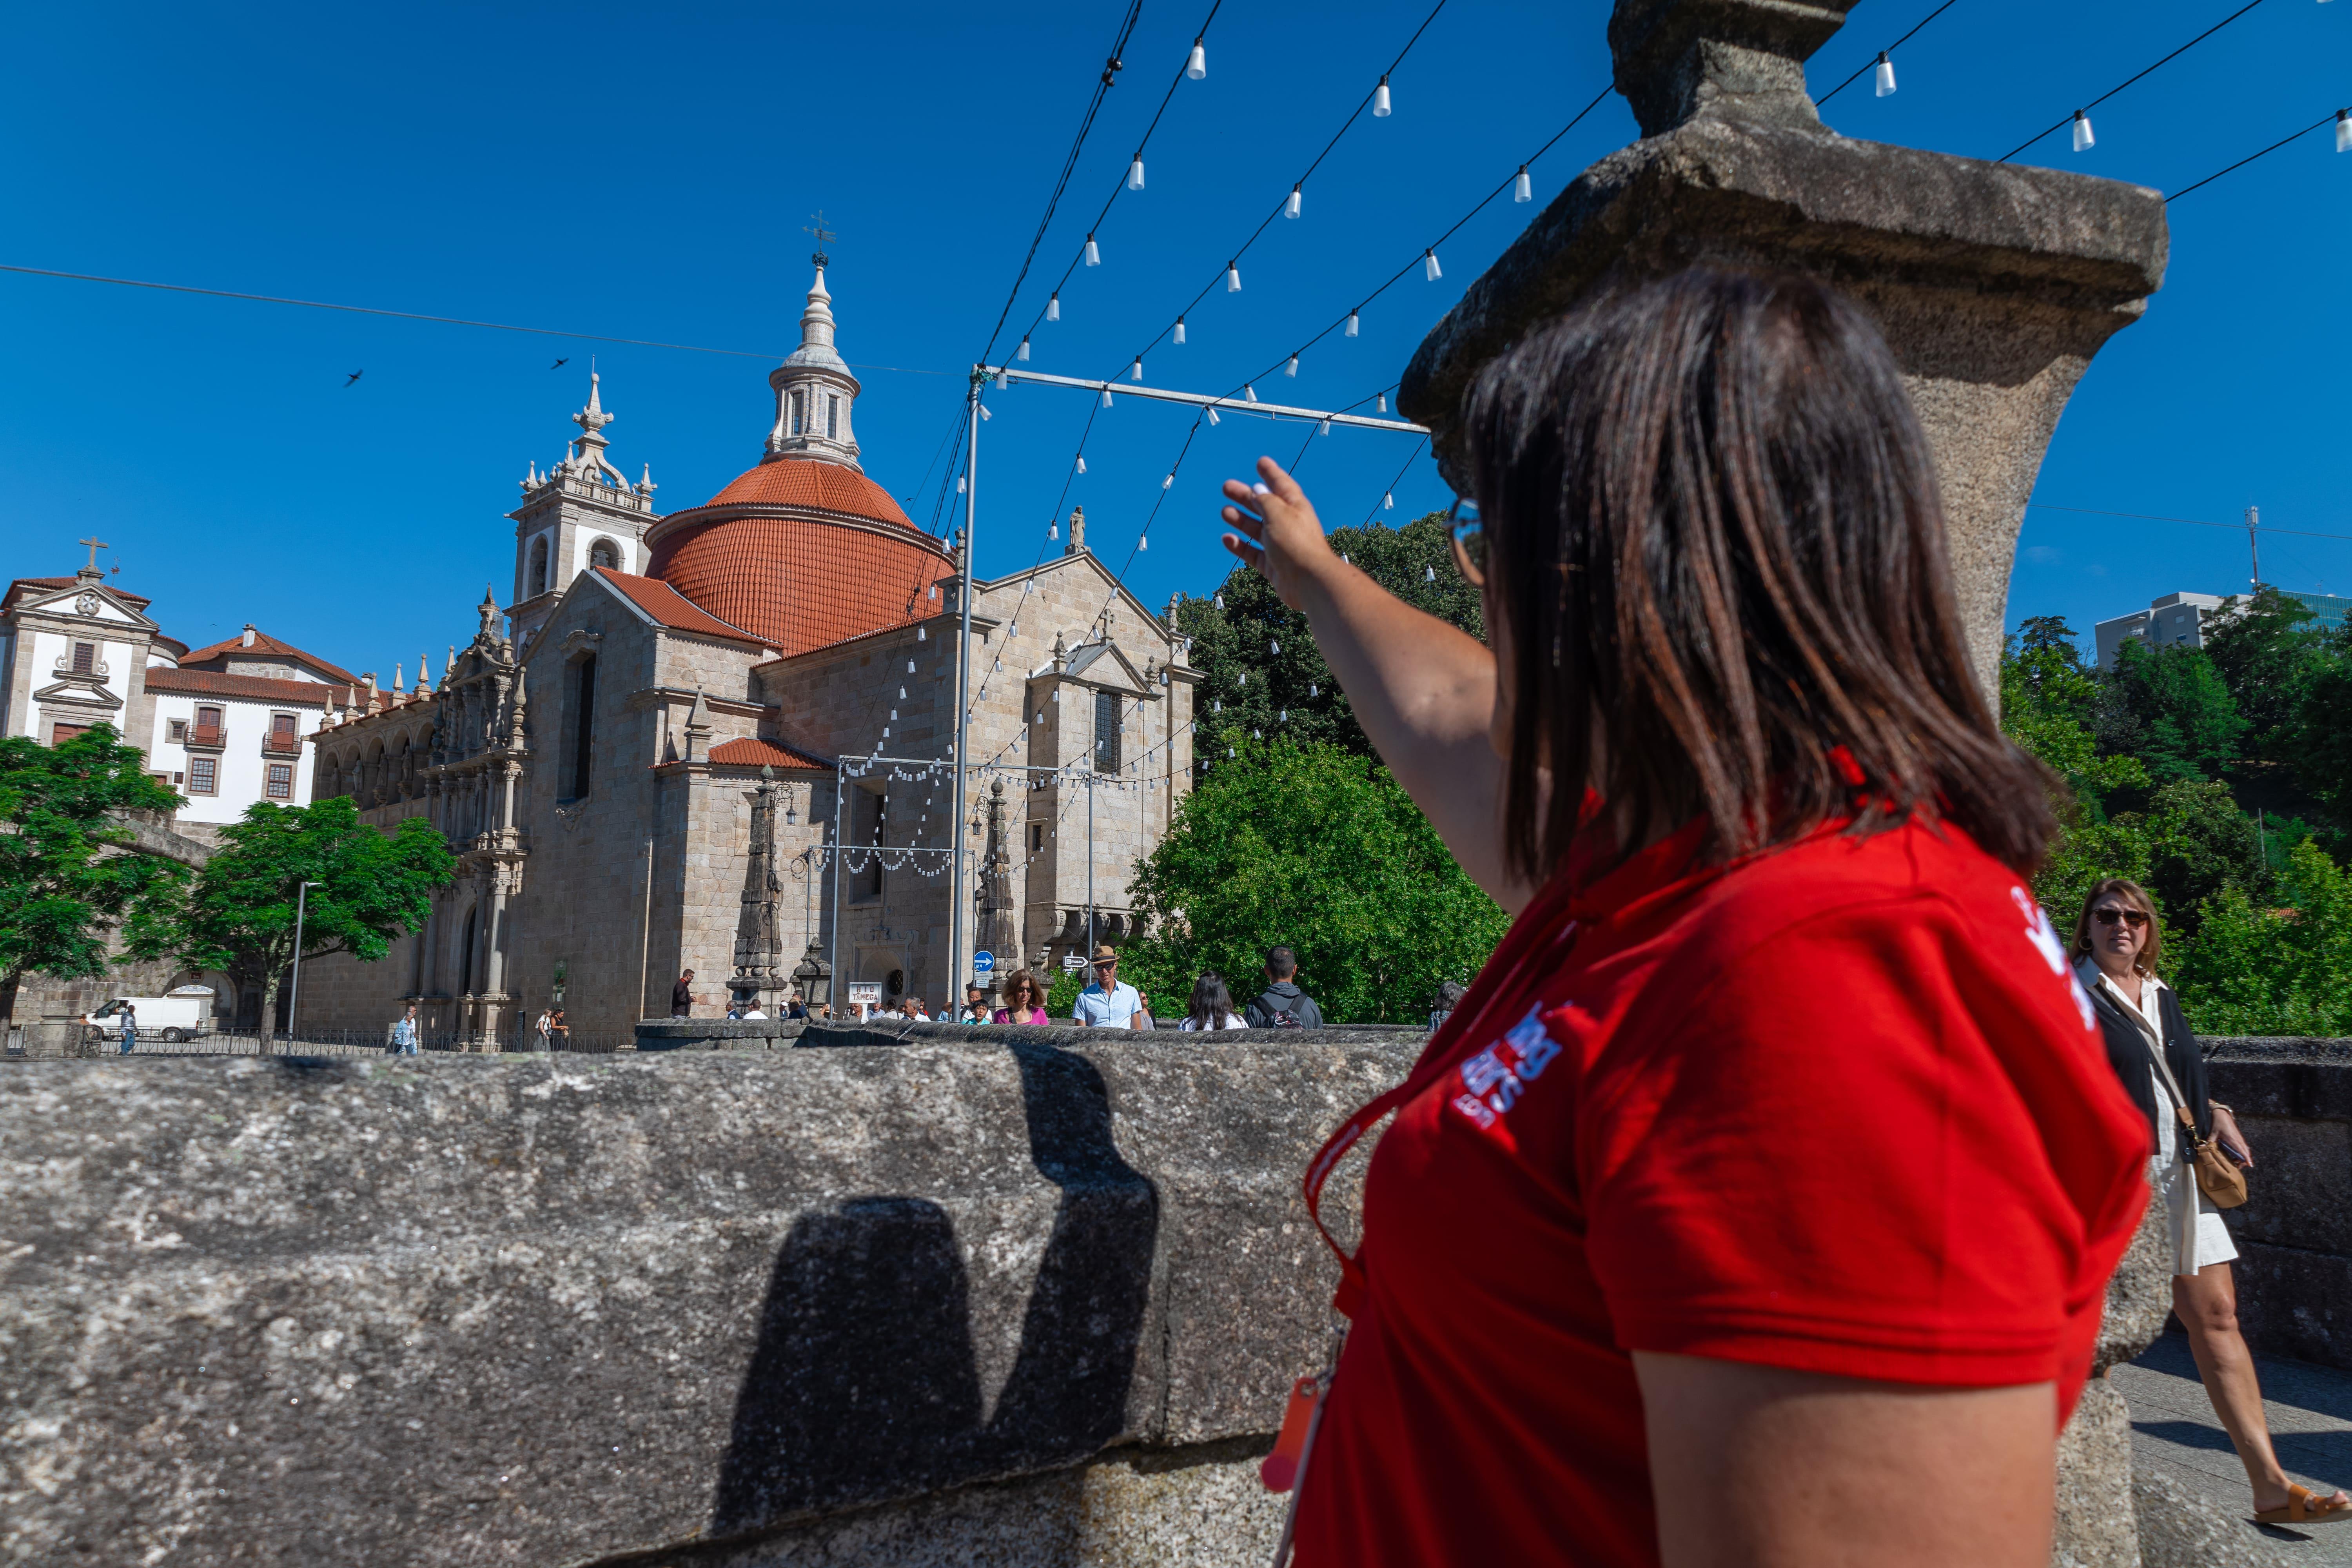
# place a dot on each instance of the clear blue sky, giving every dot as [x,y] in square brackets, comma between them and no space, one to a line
[645,172]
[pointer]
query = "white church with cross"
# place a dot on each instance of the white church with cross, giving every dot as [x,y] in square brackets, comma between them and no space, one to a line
[225,726]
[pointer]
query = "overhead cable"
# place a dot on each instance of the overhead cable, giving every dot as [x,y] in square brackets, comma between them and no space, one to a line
[1887,84]
[2080,120]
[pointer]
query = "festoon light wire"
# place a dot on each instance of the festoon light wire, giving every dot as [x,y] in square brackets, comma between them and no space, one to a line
[1118,187]
[1823,100]
[2103,98]
[2330,118]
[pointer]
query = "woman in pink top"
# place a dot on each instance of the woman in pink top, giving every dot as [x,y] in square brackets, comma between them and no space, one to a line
[1024,1002]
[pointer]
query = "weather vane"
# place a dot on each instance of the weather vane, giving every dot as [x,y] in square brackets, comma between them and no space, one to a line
[824,237]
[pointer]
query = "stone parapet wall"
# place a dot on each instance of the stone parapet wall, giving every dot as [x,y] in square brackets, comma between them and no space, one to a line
[445,1310]
[2293,1101]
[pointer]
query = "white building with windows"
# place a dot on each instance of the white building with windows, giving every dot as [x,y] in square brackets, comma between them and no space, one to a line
[225,726]
[2186,620]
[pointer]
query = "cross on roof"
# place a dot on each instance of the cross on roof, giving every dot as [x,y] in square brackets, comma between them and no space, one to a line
[96,545]
[823,235]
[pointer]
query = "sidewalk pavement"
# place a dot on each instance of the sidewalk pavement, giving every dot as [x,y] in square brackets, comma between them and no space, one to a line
[2174,1433]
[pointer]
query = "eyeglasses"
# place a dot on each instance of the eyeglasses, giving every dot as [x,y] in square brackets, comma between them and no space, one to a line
[1468,533]
[2132,918]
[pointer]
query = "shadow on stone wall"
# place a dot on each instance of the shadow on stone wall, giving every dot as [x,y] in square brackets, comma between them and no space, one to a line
[863,1385]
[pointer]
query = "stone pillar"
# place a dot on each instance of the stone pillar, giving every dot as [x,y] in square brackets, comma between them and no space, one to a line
[1993,284]
[759,931]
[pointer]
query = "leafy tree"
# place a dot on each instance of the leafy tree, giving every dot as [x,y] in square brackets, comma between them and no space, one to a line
[2189,724]
[2086,854]
[2049,702]
[2199,846]
[1247,686]
[2253,970]
[1317,848]
[68,878]
[2321,734]
[2263,648]
[372,886]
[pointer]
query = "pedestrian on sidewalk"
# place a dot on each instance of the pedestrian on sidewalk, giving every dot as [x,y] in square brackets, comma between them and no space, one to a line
[1282,1004]
[2118,943]
[1025,1001]
[131,1028]
[1110,1003]
[681,997]
[559,1033]
[1758,1203]
[1213,1005]
[1449,997]
[404,1032]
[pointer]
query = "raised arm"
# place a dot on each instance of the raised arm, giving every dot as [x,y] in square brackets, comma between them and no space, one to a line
[1423,690]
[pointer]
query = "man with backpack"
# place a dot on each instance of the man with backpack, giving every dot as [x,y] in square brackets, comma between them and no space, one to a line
[1282,1004]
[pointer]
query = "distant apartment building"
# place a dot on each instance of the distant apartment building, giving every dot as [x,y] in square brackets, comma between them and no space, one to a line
[2186,619]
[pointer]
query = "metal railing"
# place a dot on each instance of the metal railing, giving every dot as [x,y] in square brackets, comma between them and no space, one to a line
[205,735]
[277,745]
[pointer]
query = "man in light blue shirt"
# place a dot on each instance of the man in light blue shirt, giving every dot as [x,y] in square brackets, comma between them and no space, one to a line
[404,1032]
[1109,1003]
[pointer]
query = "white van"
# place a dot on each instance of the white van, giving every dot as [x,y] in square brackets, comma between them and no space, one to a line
[186,1014]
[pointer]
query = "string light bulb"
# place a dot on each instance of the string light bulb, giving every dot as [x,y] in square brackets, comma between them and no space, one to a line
[1198,66]
[1052,531]
[1169,483]
[1142,543]
[1351,325]
[1212,417]
[1053,307]
[2083,139]
[1275,645]
[1380,100]
[1022,353]
[1292,368]
[1135,174]
[1094,256]
[1430,269]
[1380,403]
[1388,501]
[1290,208]
[1324,428]
[1249,394]
[958,484]
[1106,403]
[1522,188]
[1884,74]
[1313,689]
[1004,382]
[985,414]
[1082,457]
[1220,601]
[1233,279]
[910,667]
[1177,336]
[1429,573]
[2344,131]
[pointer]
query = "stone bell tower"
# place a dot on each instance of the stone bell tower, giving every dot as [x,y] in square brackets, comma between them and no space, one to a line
[581,513]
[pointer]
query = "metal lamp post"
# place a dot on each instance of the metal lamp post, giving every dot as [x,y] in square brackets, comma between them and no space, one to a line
[294,1001]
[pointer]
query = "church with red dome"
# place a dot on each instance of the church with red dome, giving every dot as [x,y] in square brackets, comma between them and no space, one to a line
[722,740]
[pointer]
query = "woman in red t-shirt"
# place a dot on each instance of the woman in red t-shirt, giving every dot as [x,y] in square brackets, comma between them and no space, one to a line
[1757,1203]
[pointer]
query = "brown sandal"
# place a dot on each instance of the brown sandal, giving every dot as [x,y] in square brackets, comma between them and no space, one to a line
[2305,1506]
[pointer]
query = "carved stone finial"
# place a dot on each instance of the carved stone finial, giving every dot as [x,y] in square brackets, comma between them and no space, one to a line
[1678,61]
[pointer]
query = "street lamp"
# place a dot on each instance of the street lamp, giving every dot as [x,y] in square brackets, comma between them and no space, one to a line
[294,1001]
[814,977]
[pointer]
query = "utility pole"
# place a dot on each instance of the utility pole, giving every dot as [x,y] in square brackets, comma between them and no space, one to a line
[301,897]
[956,900]
[2254,521]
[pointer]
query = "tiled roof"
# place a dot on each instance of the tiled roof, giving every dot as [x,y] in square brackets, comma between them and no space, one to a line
[804,481]
[668,606]
[265,644]
[252,688]
[802,582]
[135,600]
[755,753]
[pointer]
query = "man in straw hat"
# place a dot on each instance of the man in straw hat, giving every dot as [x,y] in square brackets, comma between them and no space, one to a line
[1110,1003]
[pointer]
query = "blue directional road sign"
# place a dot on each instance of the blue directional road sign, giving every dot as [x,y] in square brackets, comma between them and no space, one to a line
[983,962]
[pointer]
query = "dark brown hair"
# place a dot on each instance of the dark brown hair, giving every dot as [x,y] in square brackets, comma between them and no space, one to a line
[1016,981]
[1717,555]
[2133,896]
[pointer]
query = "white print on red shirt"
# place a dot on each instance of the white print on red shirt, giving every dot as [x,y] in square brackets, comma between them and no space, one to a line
[1492,1081]
[2044,936]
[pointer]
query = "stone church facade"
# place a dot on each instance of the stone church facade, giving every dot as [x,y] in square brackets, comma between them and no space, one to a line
[720,740]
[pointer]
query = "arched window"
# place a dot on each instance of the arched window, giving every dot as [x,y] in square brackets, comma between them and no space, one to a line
[604,553]
[538,567]
[831,417]
[798,420]
[582,719]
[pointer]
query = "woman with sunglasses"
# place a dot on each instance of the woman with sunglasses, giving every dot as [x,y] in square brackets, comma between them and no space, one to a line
[2117,945]
[1024,1003]
[1757,1203]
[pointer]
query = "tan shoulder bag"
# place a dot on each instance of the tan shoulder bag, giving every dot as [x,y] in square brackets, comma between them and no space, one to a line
[2219,1177]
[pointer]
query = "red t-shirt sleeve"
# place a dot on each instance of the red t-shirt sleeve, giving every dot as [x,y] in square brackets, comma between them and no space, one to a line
[1834,1151]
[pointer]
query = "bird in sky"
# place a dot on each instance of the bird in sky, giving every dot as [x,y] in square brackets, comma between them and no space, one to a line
[355,376]
[559,364]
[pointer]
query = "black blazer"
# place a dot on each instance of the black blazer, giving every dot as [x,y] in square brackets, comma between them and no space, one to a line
[2128,1053]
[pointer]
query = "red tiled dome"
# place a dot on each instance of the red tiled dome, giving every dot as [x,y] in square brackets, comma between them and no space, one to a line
[800,553]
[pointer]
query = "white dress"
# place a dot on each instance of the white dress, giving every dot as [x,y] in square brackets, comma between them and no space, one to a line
[1230,1021]
[2198,1235]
